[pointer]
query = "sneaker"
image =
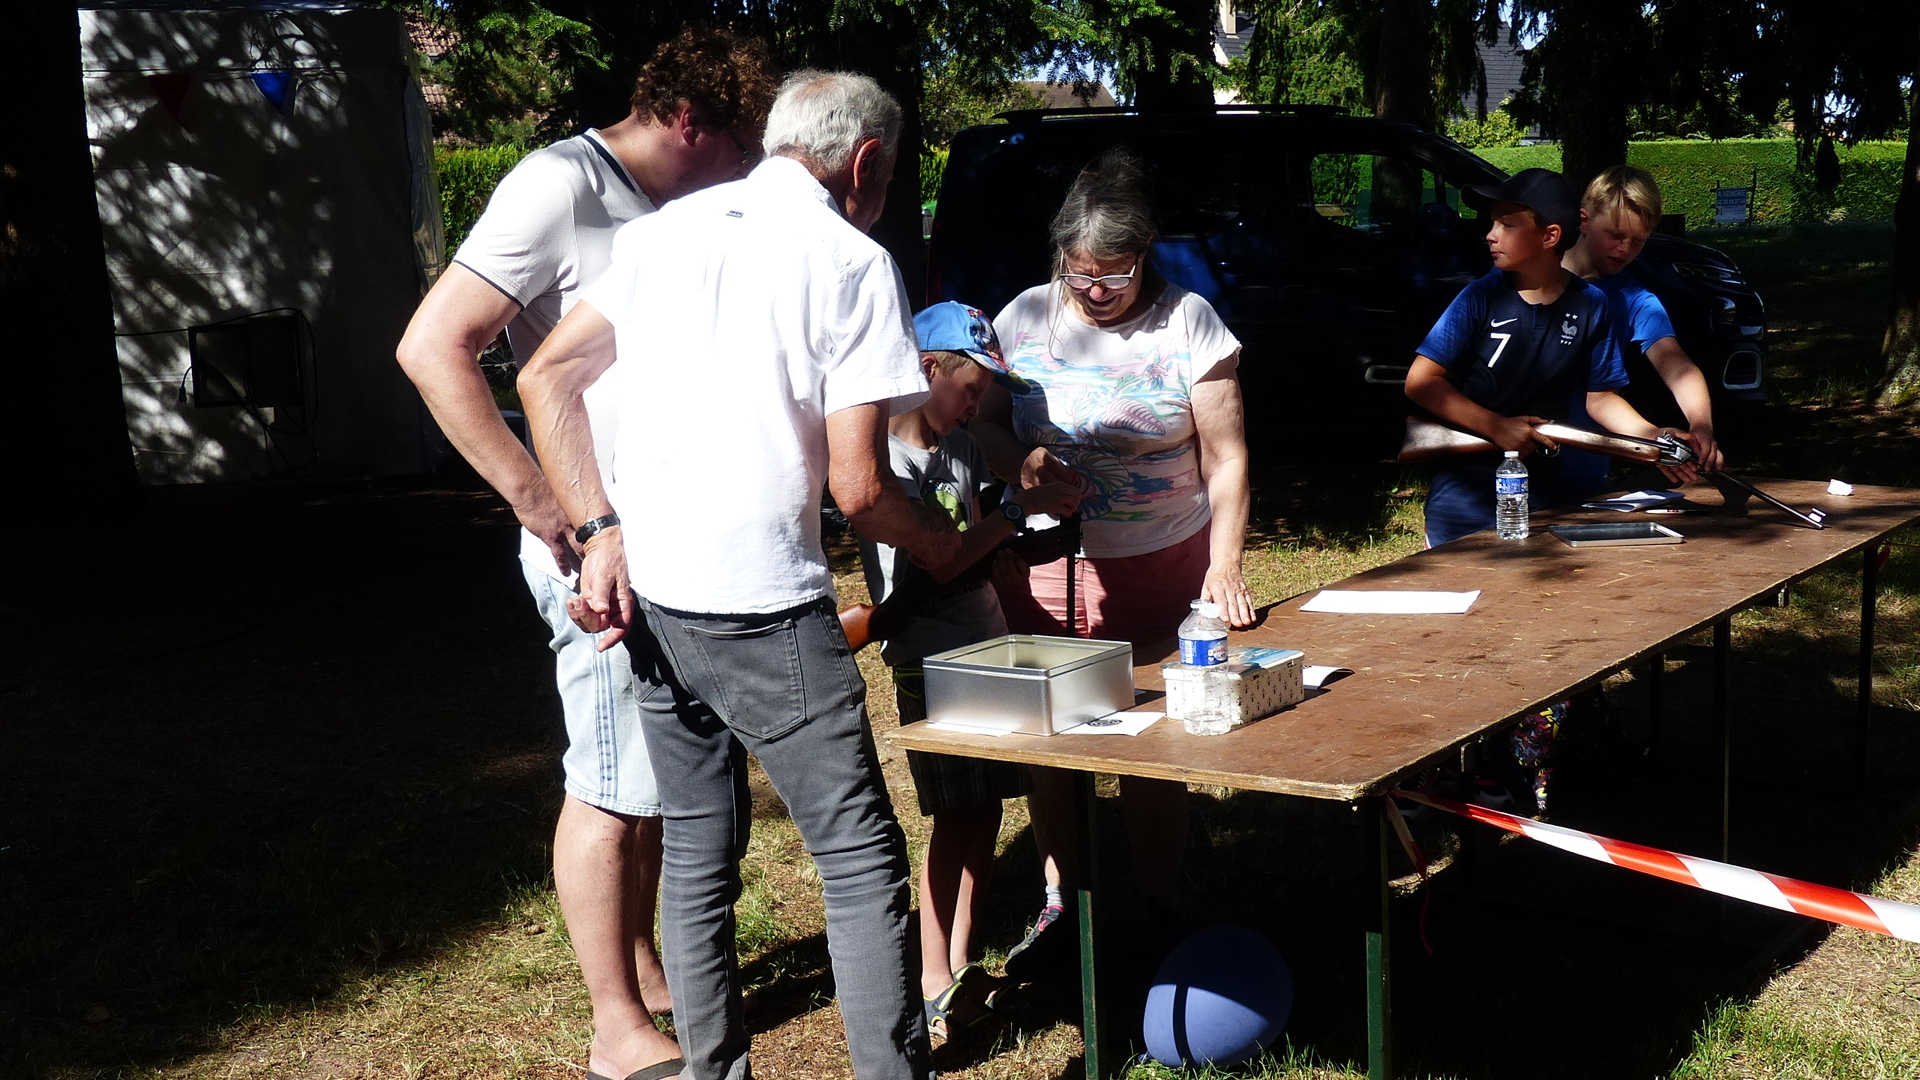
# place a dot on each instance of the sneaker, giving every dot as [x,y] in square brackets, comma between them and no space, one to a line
[1053,942]
[1488,793]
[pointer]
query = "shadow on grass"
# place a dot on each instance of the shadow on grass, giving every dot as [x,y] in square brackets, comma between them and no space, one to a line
[261,745]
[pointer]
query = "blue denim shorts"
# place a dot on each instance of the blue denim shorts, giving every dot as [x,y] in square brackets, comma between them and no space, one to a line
[606,762]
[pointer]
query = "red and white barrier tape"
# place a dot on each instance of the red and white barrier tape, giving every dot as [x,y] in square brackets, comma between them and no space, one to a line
[1889,917]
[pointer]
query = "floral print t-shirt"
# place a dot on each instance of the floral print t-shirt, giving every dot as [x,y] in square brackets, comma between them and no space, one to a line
[1115,403]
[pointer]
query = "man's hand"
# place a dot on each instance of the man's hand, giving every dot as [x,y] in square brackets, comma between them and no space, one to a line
[542,516]
[605,602]
[1519,433]
[1225,586]
[1041,467]
[1054,499]
[1681,474]
[1009,571]
[1707,448]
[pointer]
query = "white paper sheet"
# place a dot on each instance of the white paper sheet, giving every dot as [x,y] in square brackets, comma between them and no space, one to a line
[1314,676]
[1638,500]
[1839,487]
[1390,602]
[1120,723]
[968,729]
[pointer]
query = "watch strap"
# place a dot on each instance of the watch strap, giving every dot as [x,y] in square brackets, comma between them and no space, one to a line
[594,528]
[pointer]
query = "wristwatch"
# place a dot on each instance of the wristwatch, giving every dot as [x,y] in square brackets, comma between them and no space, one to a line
[1016,516]
[594,528]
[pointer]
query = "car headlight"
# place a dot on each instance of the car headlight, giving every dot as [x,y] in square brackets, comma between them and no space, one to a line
[1725,310]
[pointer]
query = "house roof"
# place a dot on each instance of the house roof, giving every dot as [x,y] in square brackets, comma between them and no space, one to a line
[1062,96]
[1505,63]
[1228,47]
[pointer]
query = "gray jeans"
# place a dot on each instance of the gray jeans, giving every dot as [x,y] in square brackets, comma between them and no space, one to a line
[783,687]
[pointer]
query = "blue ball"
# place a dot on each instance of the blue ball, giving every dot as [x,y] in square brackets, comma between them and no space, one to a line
[1221,997]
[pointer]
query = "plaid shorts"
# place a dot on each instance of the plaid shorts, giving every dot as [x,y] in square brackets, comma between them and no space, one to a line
[944,781]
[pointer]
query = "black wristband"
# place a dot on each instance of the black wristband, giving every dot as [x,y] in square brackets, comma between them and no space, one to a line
[594,528]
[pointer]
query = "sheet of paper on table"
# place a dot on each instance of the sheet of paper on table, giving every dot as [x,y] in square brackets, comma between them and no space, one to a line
[1390,602]
[1317,676]
[1638,500]
[1120,723]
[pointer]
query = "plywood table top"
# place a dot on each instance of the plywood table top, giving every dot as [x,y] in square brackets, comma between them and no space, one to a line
[1551,620]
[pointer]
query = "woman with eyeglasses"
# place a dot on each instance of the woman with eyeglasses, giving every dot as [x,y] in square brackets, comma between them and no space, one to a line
[1128,389]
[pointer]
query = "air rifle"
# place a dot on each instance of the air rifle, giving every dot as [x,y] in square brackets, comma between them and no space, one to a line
[864,623]
[1428,438]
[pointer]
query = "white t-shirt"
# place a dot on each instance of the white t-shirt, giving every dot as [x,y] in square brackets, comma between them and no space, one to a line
[1116,404]
[548,232]
[744,314]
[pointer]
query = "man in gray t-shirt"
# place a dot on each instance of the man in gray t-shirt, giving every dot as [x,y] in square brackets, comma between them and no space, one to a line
[698,109]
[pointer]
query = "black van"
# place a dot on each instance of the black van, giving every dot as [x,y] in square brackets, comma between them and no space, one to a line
[1329,243]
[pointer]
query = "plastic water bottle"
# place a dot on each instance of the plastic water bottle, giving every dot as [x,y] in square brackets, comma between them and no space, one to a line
[1203,648]
[1510,497]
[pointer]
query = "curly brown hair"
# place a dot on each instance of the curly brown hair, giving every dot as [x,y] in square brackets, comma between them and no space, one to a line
[729,80]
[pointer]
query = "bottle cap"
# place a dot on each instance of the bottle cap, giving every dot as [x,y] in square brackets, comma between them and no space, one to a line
[1208,608]
[1513,453]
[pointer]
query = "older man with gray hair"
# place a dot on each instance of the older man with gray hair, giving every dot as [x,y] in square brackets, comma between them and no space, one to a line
[758,341]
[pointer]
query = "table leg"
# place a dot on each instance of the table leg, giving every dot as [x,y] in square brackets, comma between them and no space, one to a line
[1863,708]
[1088,835]
[1379,942]
[1656,701]
[1723,728]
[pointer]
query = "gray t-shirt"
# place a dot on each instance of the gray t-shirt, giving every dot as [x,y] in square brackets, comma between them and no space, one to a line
[949,478]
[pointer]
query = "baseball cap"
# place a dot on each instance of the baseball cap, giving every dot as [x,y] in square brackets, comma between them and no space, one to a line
[955,327]
[1542,191]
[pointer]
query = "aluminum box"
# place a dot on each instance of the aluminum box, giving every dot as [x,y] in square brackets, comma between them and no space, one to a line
[1029,684]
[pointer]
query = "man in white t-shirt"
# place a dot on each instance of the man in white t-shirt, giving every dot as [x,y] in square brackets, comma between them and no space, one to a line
[547,233]
[762,342]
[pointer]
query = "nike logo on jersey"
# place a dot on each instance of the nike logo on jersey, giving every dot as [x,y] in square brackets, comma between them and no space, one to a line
[1503,322]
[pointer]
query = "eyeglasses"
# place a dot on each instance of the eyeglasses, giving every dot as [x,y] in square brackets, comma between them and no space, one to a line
[748,154]
[1109,282]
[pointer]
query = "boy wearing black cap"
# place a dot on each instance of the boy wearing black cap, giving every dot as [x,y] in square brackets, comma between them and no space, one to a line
[1513,349]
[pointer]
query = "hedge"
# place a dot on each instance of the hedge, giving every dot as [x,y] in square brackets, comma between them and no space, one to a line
[1690,170]
[468,175]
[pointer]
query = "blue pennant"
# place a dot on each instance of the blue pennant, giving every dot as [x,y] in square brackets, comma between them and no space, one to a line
[278,88]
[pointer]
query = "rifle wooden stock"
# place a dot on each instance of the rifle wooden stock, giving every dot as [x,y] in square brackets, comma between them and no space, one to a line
[856,621]
[1428,438]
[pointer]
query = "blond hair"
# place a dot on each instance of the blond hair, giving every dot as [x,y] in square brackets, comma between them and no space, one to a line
[1624,188]
[948,361]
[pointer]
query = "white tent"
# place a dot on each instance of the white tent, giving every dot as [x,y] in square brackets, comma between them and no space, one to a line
[253,158]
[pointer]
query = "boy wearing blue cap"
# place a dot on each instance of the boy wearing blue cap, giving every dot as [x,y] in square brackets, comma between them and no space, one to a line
[1514,349]
[937,461]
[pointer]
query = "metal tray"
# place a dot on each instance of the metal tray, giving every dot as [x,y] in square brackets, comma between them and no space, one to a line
[1028,683]
[1616,534]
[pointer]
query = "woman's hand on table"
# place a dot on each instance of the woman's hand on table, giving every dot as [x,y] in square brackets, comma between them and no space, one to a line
[1225,586]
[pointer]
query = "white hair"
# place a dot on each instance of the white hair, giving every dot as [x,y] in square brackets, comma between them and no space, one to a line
[822,117]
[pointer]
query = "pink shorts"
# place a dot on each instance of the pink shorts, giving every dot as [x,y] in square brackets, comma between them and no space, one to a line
[1140,599]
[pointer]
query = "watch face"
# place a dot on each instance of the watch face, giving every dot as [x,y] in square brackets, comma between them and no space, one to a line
[1012,512]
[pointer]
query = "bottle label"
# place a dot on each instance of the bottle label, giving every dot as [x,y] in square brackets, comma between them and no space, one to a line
[1509,485]
[1203,652]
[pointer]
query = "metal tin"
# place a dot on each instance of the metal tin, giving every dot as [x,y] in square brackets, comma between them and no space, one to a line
[1029,684]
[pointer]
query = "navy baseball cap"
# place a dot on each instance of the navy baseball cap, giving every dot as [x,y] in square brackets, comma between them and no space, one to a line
[1542,191]
[954,327]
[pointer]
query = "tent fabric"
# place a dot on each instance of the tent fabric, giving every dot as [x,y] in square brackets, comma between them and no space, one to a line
[226,205]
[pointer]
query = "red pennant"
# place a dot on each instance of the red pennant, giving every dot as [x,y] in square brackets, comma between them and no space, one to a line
[172,89]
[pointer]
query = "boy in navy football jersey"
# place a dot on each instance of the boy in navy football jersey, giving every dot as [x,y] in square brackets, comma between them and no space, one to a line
[1617,214]
[1513,349]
